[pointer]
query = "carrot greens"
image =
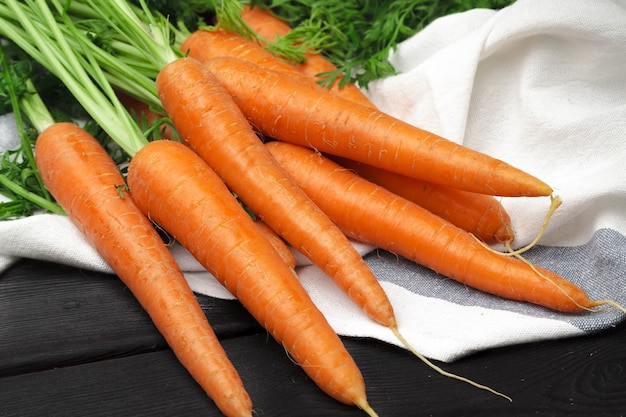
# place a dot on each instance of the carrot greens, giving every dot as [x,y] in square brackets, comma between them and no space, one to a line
[357,35]
[70,63]
[19,179]
[74,63]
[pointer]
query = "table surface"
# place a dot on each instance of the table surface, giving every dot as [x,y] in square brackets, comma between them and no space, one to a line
[75,342]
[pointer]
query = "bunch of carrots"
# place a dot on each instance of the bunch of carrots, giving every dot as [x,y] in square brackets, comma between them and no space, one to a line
[316,166]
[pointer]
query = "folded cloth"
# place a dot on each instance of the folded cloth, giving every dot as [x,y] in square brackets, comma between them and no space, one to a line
[540,85]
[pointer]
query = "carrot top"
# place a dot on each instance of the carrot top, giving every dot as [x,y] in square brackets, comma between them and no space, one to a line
[18,167]
[358,36]
[81,74]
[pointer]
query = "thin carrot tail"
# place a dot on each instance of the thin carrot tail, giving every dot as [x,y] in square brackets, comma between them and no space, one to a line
[441,371]
[555,203]
[609,303]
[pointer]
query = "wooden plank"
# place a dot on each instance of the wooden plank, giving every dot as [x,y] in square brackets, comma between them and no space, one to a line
[54,315]
[154,384]
[577,377]
[102,357]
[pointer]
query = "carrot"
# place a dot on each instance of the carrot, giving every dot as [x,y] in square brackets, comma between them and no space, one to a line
[309,117]
[315,65]
[204,114]
[196,107]
[203,44]
[371,214]
[280,302]
[480,214]
[88,185]
[176,188]
[278,243]
[264,22]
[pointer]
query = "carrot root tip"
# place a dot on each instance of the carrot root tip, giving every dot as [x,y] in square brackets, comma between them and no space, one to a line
[555,203]
[608,303]
[364,405]
[443,372]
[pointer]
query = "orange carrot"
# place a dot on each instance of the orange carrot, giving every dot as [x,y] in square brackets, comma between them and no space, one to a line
[315,118]
[204,114]
[174,187]
[278,243]
[270,26]
[264,22]
[480,214]
[206,44]
[87,184]
[210,122]
[369,213]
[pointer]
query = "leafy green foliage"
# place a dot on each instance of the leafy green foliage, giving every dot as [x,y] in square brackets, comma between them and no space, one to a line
[191,13]
[19,179]
[19,182]
[61,103]
[357,35]
[15,82]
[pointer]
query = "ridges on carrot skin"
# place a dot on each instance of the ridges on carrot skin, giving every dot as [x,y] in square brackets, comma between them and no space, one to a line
[480,214]
[424,237]
[268,26]
[278,243]
[190,88]
[179,191]
[87,183]
[204,44]
[189,93]
[333,186]
[306,116]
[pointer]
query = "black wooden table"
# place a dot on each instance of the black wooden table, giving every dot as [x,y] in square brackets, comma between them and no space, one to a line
[76,343]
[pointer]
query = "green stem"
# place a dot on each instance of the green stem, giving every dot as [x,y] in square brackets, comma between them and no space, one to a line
[30,196]
[82,75]
[38,114]
[34,108]
[137,75]
[147,34]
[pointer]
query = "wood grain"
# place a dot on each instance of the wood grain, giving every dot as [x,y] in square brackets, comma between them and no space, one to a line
[76,342]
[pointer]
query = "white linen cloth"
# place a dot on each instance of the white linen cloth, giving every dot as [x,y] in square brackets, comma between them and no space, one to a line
[540,85]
